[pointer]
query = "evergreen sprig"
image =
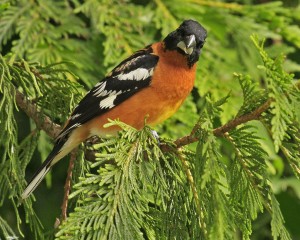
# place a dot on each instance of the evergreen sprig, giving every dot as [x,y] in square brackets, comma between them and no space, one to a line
[130,177]
[37,84]
[281,90]
[248,178]
[210,176]
[135,187]
[252,94]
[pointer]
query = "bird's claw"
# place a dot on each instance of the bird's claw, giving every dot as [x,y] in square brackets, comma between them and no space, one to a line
[156,136]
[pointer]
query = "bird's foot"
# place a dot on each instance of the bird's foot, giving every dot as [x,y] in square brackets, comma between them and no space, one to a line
[156,136]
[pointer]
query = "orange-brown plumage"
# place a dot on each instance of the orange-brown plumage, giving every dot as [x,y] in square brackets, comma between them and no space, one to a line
[158,102]
[151,84]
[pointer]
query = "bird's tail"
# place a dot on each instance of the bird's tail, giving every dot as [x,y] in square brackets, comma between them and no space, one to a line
[67,140]
[60,149]
[37,177]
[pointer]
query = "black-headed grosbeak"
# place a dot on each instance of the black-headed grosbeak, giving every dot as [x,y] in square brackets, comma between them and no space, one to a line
[152,82]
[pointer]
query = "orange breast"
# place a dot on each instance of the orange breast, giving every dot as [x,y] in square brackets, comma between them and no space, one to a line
[172,81]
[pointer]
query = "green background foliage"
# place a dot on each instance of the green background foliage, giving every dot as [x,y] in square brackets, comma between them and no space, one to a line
[54,51]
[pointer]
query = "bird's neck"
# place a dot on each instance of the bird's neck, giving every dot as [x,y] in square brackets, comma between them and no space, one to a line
[172,56]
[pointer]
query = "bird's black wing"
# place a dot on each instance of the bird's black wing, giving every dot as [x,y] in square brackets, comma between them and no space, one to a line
[129,77]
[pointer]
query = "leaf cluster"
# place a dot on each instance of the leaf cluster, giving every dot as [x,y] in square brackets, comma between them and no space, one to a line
[33,81]
[135,189]
[131,194]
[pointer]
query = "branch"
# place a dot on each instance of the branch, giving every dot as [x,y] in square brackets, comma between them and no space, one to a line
[67,187]
[52,129]
[41,120]
[220,131]
[242,119]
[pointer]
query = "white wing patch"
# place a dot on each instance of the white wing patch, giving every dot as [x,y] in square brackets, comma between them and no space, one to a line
[109,93]
[76,125]
[102,92]
[65,132]
[137,74]
[76,116]
[108,102]
[100,87]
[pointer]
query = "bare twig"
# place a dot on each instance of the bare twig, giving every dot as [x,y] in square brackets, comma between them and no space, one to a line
[42,121]
[228,126]
[180,142]
[52,129]
[67,187]
[243,119]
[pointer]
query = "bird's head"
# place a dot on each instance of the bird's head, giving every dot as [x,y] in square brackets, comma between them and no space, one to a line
[188,40]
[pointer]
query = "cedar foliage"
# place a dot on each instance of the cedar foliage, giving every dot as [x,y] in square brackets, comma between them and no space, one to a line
[135,188]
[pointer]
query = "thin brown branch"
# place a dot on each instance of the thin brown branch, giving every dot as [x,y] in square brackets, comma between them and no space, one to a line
[243,119]
[52,129]
[180,142]
[41,120]
[220,131]
[67,187]
[187,139]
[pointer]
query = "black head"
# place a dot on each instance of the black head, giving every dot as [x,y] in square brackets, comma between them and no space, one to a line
[188,40]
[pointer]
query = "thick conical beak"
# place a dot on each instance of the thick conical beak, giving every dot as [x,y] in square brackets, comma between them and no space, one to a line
[188,44]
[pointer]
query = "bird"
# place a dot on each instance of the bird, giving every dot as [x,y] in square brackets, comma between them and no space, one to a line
[152,82]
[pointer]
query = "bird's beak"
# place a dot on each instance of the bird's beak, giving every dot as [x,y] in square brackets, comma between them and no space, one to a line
[188,44]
